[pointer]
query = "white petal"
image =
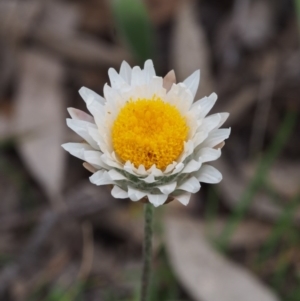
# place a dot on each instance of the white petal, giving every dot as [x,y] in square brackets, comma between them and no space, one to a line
[205,104]
[116,81]
[208,154]
[149,179]
[129,167]
[137,76]
[170,167]
[155,171]
[180,97]
[113,97]
[190,185]
[167,188]
[156,87]
[211,122]
[98,111]
[192,82]
[94,158]
[157,199]
[224,117]
[135,194]
[142,170]
[94,133]
[149,71]
[183,198]
[192,166]
[80,115]
[116,176]
[178,168]
[119,193]
[101,177]
[192,123]
[89,96]
[116,157]
[81,128]
[208,174]
[199,137]
[77,149]
[125,72]
[215,137]
[106,158]
[185,95]
[187,150]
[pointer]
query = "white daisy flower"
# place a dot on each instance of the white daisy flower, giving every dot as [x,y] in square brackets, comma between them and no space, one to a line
[145,140]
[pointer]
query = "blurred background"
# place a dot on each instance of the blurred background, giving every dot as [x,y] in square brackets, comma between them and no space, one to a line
[62,238]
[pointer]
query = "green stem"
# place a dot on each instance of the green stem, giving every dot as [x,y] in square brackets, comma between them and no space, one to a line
[148,215]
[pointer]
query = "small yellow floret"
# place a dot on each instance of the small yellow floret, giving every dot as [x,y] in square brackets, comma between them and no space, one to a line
[149,131]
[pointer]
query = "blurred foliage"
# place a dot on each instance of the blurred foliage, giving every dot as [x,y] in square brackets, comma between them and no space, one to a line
[211,210]
[274,255]
[259,178]
[20,180]
[285,222]
[134,26]
[58,293]
[297,4]
[163,286]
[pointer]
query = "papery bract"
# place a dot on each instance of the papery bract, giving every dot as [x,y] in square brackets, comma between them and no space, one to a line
[167,142]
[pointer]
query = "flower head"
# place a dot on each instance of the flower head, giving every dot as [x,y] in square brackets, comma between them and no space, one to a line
[147,138]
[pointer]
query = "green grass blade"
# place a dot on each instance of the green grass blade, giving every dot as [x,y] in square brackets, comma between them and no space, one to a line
[297,4]
[134,26]
[211,210]
[285,223]
[266,162]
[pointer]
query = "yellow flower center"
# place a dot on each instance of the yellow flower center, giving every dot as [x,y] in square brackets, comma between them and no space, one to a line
[149,131]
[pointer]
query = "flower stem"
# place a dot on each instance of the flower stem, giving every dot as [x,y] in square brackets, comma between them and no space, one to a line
[148,217]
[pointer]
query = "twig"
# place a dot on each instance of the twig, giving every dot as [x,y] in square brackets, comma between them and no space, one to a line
[79,209]
[82,49]
[29,255]
[240,104]
[75,47]
[265,94]
[81,204]
[88,251]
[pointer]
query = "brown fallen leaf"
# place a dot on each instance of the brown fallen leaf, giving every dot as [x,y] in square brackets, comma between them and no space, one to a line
[239,104]
[39,119]
[61,17]
[283,176]
[257,27]
[56,32]
[96,16]
[162,11]
[16,18]
[189,48]
[82,49]
[234,184]
[243,237]
[206,274]
[250,25]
